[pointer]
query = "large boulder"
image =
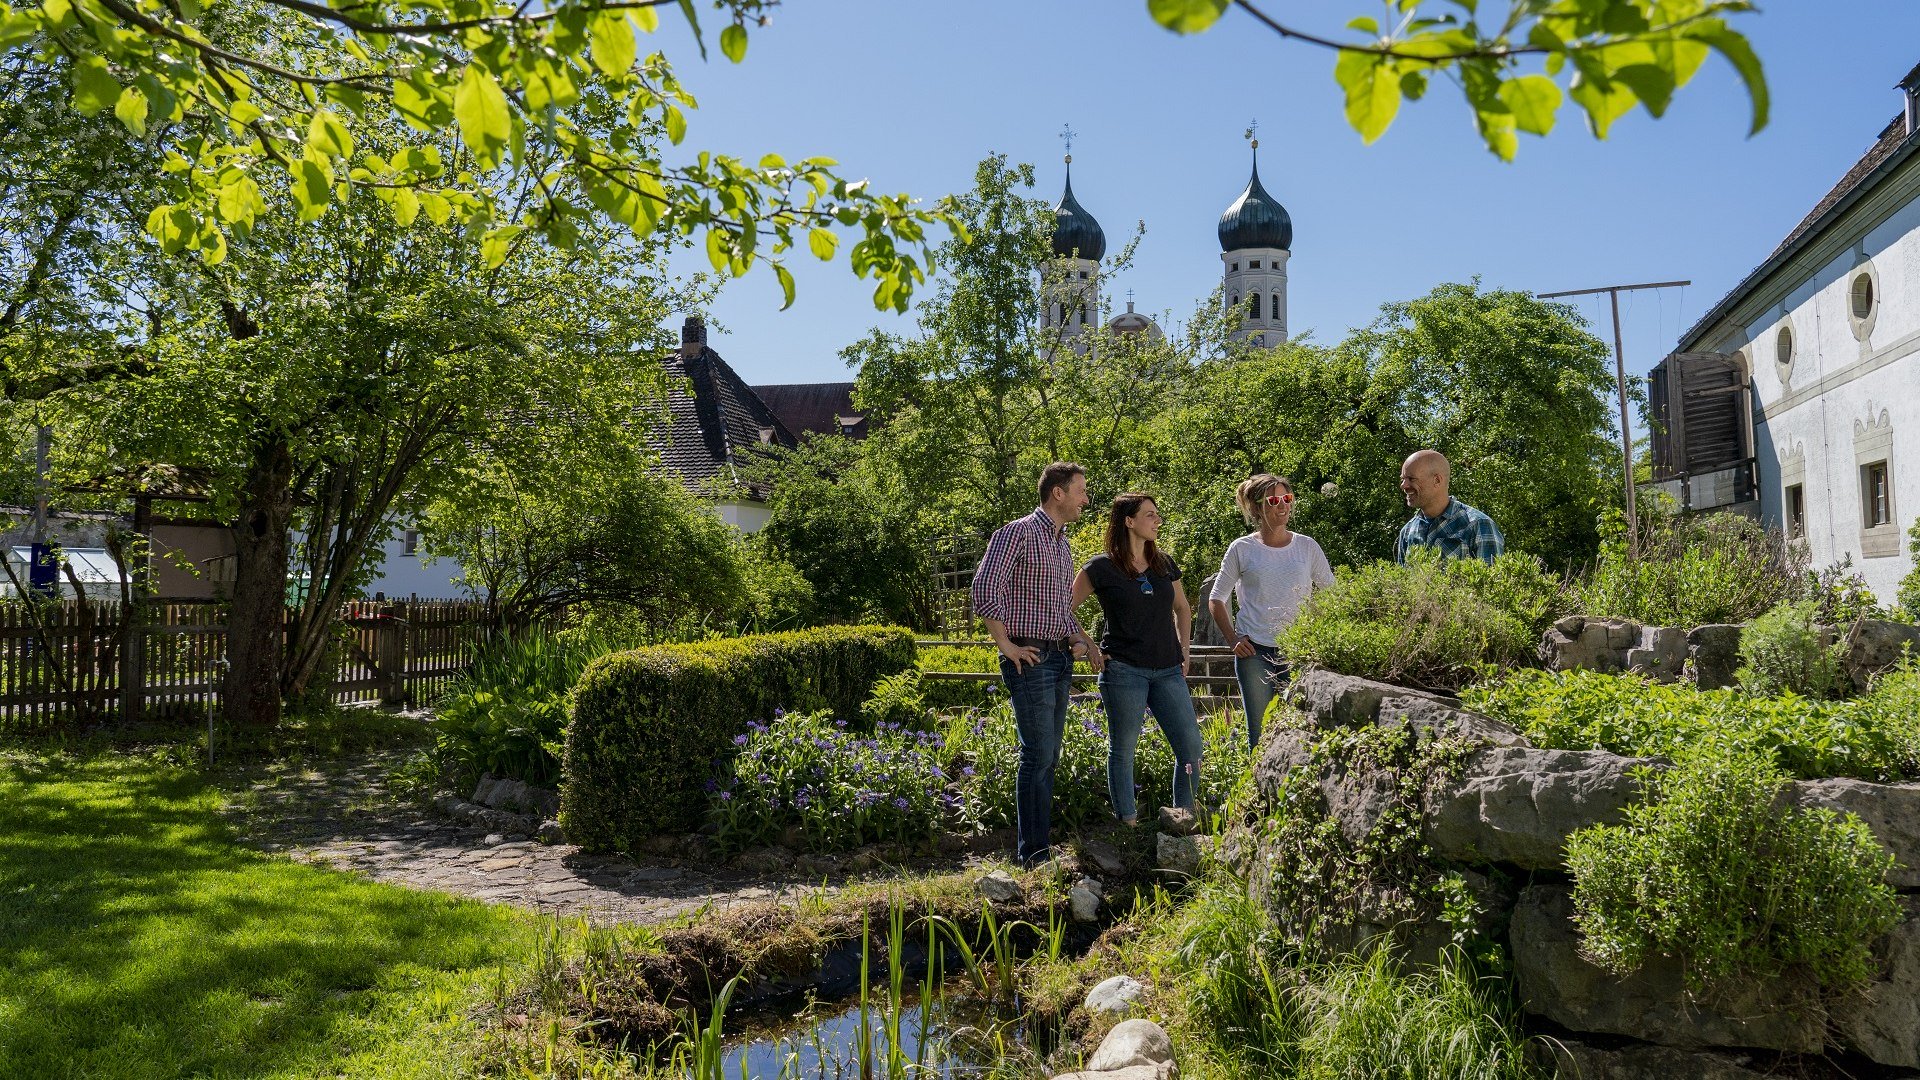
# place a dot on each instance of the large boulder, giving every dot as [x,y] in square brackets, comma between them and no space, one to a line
[1883,1024]
[1892,811]
[1874,645]
[1518,805]
[1557,983]
[1334,700]
[1132,1043]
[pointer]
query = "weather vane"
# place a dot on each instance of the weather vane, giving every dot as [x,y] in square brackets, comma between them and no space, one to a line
[1252,134]
[1066,137]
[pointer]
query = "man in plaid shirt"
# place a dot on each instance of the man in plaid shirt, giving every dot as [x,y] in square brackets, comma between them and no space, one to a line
[1023,590]
[1440,521]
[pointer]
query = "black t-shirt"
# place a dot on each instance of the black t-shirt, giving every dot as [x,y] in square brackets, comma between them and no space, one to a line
[1140,628]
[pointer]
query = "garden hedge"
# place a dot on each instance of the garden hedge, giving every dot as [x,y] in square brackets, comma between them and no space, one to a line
[651,726]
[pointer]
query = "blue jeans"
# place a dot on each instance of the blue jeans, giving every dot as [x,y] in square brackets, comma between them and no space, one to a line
[1039,696]
[1127,692]
[1261,676]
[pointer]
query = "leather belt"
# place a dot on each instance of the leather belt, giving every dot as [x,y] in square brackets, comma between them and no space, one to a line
[1059,644]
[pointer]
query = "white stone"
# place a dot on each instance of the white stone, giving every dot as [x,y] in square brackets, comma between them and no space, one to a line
[1120,994]
[1000,887]
[1132,1042]
[1085,899]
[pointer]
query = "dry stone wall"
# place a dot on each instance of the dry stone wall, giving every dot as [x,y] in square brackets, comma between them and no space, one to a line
[1504,816]
[1705,655]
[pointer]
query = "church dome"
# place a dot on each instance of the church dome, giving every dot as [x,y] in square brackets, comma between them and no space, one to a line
[1256,220]
[1075,233]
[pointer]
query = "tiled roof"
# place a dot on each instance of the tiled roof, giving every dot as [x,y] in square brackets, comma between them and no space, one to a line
[1892,147]
[715,419]
[813,408]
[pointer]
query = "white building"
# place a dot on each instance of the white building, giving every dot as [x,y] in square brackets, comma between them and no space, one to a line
[1797,397]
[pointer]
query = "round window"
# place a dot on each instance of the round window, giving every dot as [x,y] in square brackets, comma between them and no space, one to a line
[1862,295]
[1783,347]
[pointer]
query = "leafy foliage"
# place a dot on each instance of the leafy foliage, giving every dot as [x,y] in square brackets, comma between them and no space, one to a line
[1606,55]
[1690,571]
[1435,623]
[508,714]
[1788,651]
[1717,873]
[651,726]
[1875,737]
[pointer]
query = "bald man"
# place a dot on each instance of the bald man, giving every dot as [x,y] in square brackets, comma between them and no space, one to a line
[1440,521]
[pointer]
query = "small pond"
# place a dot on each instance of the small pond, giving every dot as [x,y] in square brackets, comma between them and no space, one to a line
[956,1035]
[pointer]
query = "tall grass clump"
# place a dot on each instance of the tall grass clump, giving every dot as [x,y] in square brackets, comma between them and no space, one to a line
[1788,651]
[1717,873]
[1690,571]
[1429,623]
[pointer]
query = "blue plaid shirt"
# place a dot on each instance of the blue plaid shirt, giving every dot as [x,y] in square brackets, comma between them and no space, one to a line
[1460,532]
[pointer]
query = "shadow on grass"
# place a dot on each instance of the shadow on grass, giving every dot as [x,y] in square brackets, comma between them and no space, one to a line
[138,939]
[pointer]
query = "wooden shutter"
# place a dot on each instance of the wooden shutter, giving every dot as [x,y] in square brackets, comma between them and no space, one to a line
[1698,398]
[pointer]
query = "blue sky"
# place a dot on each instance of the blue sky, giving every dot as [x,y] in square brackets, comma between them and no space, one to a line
[911,94]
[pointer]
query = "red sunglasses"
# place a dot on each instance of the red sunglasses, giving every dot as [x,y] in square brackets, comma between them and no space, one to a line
[1280,499]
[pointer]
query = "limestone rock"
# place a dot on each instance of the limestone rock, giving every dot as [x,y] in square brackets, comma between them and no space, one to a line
[1884,1024]
[1178,821]
[1281,751]
[1714,652]
[1131,1072]
[1177,854]
[999,887]
[1875,645]
[1104,858]
[1661,653]
[1892,811]
[1118,995]
[1555,982]
[1132,1042]
[1570,1060]
[1334,700]
[1084,899]
[1517,804]
[551,833]
[1434,717]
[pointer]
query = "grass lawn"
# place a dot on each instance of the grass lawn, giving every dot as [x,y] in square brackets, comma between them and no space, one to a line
[138,939]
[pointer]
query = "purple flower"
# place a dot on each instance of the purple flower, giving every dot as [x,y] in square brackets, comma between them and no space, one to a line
[711,786]
[967,771]
[778,713]
[763,778]
[901,803]
[726,795]
[739,740]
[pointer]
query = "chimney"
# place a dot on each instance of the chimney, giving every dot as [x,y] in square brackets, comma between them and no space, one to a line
[1910,96]
[693,337]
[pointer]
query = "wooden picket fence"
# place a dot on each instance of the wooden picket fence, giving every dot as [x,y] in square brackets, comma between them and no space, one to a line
[100,659]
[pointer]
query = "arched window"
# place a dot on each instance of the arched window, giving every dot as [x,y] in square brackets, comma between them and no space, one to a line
[1235,300]
[1253,305]
[1276,307]
[1063,314]
[1083,314]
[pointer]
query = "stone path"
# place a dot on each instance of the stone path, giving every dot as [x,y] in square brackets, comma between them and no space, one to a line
[347,818]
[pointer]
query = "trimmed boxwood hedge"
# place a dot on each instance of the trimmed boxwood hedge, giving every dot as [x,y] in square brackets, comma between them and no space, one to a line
[651,726]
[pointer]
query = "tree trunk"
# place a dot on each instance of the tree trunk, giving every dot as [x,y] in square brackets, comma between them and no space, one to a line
[250,696]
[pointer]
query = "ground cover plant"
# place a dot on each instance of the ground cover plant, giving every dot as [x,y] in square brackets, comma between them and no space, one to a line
[1715,872]
[1874,737]
[138,939]
[1788,651]
[507,715]
[1429,623]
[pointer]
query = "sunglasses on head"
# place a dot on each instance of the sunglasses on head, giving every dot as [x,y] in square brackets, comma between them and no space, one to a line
[1280,498]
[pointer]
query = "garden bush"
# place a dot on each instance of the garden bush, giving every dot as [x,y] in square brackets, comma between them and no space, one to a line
[1690,571]
[651,726]
[1787,651]
[1429,623]
[508,714]
[947,693]
[1717,873]
[1875,737]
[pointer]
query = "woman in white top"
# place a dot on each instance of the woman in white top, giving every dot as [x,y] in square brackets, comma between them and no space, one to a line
[1271,572]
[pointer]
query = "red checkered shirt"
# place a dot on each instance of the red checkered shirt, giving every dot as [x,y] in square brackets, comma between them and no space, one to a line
[1025,579]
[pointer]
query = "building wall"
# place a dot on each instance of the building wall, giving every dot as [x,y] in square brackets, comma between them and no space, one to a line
[1269,279]
[400,575]
[192,562]
[1851,391]
[748,517]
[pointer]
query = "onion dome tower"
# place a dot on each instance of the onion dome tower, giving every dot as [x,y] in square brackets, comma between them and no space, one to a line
[1070,282]
[1256,240]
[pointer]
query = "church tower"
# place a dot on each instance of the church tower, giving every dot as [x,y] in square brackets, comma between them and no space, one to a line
[1256,240]
[1070,282]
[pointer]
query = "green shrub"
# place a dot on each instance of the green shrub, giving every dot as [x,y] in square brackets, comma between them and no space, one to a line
[941,694]
[651,726]
[1429,623]
[1717,873]
[1786,651]
[508,714]
[1690,571]
[1876,737]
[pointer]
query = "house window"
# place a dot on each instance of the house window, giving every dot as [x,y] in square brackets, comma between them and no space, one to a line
[1876,495]
[1083,314]
[1253,264]
[1797,510]
[1861,296]
[1783,347]
[1234,267]
[1276,306]
[1253,306]
[1083,275]
[410,542]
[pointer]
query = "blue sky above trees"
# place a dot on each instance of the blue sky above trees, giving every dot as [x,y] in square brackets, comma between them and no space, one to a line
[912,95]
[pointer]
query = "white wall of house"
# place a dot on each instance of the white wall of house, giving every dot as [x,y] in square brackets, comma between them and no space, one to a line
[747,516]
[402,574]
[1847,397]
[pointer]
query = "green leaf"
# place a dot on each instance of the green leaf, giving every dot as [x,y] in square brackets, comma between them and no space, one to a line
[1366,24]
[417,105]
[1534,101]
[170,225]
[1740,54]
[436,206]
[646,19]
[733,42]
[1650,84]
[481,110]
[786,285]
[131,111]
[328,136]
[244,112]
[406,206]
[1373,91]
[1603,102]
[822,242]
[614,48]
[495,244]
[240,201]
[676,122]
[717,252]
[1181,17]
[312,186]
[94,87]
[16,29]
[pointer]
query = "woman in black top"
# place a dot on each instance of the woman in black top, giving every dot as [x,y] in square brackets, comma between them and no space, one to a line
[1148,618]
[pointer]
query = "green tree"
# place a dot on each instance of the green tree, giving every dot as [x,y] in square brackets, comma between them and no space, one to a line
[1516,63]
[1515,392]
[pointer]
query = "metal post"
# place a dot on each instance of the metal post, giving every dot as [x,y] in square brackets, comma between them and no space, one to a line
[1626,430]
